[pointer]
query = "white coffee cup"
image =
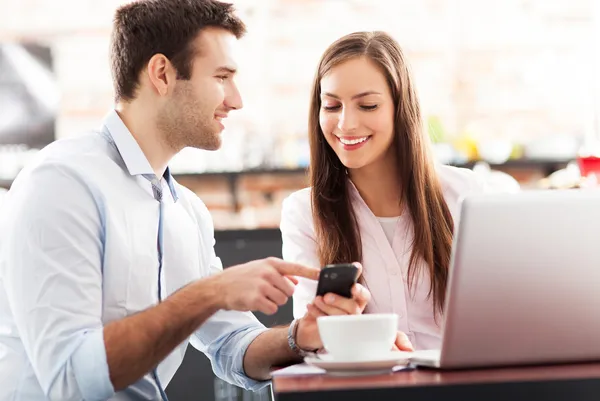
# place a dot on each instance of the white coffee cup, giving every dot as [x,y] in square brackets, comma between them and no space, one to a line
[358,337]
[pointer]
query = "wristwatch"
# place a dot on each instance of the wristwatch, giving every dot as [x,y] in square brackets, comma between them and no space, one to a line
[292,333]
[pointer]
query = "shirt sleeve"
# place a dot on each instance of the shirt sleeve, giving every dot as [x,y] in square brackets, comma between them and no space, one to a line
[51,268]
[225,336]
[299,245]
[224,339]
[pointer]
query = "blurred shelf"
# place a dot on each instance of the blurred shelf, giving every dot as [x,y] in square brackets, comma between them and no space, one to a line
[255,234]
[550,165]
[546,166]
[526,163]
[514,163]
[232,178]
[274,171]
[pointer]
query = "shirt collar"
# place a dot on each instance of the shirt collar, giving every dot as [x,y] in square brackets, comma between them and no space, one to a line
[131,153]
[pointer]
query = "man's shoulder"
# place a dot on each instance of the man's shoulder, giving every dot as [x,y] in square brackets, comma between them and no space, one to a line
[189,197]
[82,156]
[193,205]
[89,150]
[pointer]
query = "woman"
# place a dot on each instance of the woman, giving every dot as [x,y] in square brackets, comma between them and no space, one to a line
[376,195]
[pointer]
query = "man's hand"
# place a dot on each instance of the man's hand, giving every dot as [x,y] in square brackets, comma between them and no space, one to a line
[331,304]
[260,285]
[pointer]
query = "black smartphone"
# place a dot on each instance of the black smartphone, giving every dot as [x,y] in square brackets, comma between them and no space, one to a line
[338,279]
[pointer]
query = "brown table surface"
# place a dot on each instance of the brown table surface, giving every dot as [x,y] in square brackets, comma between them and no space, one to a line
[556,382]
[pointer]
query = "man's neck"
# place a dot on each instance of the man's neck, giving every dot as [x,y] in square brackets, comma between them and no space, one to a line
[380,187]
[142,125]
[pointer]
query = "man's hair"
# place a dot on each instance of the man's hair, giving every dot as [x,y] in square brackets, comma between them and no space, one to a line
[148,27]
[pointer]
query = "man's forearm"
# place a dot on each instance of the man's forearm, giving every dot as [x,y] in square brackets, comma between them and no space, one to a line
[267,350]
[136,344]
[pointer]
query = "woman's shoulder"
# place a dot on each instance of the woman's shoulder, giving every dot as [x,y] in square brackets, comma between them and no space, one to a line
[298,199]
[456,183]
[296,209]
[459,180]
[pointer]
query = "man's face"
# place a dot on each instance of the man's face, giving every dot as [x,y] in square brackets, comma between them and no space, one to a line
[193,115]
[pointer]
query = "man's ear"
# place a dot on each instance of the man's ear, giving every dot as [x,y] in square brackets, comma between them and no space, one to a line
[161,74]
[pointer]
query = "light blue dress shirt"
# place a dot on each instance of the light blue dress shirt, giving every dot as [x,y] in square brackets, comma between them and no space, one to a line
[78,249]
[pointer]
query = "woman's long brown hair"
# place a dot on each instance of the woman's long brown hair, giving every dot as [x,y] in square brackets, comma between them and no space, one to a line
[336,225]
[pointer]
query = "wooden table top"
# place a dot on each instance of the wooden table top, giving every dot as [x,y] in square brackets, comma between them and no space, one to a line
[428,378]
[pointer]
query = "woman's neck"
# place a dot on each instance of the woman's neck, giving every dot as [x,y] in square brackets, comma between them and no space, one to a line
[379,186]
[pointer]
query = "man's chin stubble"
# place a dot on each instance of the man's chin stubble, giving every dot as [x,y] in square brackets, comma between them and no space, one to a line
[214,144]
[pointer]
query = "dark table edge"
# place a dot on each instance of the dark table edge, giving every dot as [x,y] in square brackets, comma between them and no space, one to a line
[539,390]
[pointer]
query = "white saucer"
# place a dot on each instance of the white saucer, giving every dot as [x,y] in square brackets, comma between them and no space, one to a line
[383,364]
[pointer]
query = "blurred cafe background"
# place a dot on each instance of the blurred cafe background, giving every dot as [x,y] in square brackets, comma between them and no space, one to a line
[509,88]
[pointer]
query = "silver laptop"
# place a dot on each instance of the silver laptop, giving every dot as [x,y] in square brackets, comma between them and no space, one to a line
[524,282]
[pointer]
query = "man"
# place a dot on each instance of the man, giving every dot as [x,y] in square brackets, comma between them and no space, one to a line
[107,266]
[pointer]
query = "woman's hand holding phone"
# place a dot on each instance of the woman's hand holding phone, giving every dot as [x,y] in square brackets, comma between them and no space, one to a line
[334,304]
[331,303]
[338,292]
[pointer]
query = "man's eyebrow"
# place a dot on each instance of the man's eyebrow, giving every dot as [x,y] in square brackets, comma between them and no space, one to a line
[228,69]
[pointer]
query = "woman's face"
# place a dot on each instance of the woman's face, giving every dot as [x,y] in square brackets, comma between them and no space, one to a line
[357,112]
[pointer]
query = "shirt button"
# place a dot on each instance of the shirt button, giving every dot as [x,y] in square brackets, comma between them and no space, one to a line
[394,272]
